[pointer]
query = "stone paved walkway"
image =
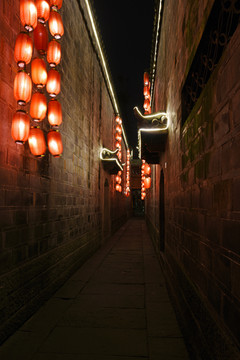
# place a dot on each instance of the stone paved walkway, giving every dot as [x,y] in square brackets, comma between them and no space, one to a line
[115,307]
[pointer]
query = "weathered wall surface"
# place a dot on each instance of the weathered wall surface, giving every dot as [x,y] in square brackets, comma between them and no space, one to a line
[201,170]
[53,212]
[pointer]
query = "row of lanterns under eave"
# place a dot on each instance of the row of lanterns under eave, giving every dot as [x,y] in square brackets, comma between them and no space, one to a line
[33,15]
[128,174]
[118,144]
[145,178]
[146,94]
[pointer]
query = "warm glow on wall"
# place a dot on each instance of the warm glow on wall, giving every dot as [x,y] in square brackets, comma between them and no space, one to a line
[22,87]
[28,14]
[23,49]
[20,127]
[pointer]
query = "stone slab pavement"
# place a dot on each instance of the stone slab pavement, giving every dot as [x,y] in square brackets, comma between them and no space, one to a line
[115,307]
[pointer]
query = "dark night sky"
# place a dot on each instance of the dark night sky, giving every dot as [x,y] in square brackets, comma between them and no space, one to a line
[126,28]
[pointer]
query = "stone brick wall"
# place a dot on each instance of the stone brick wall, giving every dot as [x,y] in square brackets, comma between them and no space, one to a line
[52,211]
[202,185]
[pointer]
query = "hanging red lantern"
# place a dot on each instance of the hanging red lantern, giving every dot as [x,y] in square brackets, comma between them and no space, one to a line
[36,142]
[55,143]
[54,113]
[118,137]
[146,79]
[20,127]
[147,182]
[119,129]
[118,145]
[39,72]
[28,14]
[118,179]
[146,104]
[43,10]
[143,195]
[127,193]
[118,120]
[55,25]
[38,107]
[147,170]
[23,49]
[56,4]
[146,92]
[53,83]
[54,53]
[119,154]
[118,187]
[22,87]
[41,38]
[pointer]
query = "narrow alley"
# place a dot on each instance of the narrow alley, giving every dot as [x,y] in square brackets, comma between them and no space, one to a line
[115,307]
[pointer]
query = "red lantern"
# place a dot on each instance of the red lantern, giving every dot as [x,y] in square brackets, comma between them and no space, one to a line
[41,38]
[147,170]
[28,14]
[55,143]
[118,187]
[118,120]
[118,146]
[118,137]
[147,182]
[146,92]
[146,79]
[53,83]
[36,142]
[43,10]
[39,72]
[143,195]
[54,113]
[54,53]
[146,104]
[118,179]
[38,107]
[22,87]
[56,4]
[55,25]
[20,127]
[119,129]
[119,155]
[23,49]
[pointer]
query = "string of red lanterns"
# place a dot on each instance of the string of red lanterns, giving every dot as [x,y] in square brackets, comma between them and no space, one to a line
[34,15]
[118,138]
[146,94]
[128,174]
[145,178]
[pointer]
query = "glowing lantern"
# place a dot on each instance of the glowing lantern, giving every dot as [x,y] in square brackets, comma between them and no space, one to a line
[146,92]
[147,169]
[127,193]
[119,154]
[54,113]
[143,195]
[36,142]
[38,107]
[41,38]
[118,179]
[118,145]
[53,83]
[23,49]
[28,14]
[43,10]
[56,4]
[39,72]
[56,25]
[20,127]
[146,79]
[118,120]
[54,53]
[146,104]
[119,129]
[147,182]
[55,143]
[22,87]
[118,187]
[118,137]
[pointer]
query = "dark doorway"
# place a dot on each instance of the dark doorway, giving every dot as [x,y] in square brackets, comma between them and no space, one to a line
[161,213]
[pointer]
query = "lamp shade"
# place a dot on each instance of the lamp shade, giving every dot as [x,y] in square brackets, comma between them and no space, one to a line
[53,83]
[22,88]
[38,107]
[39,72]
[36,142]
[56,4]
[55,143]
[20,127]
[28,14]
[23,49]
[147,182]
[54,53]
[54,112]
[41,38]
[43,10]
[55,25]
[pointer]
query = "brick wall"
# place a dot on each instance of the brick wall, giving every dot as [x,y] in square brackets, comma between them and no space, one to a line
[202,185]
[52,211]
